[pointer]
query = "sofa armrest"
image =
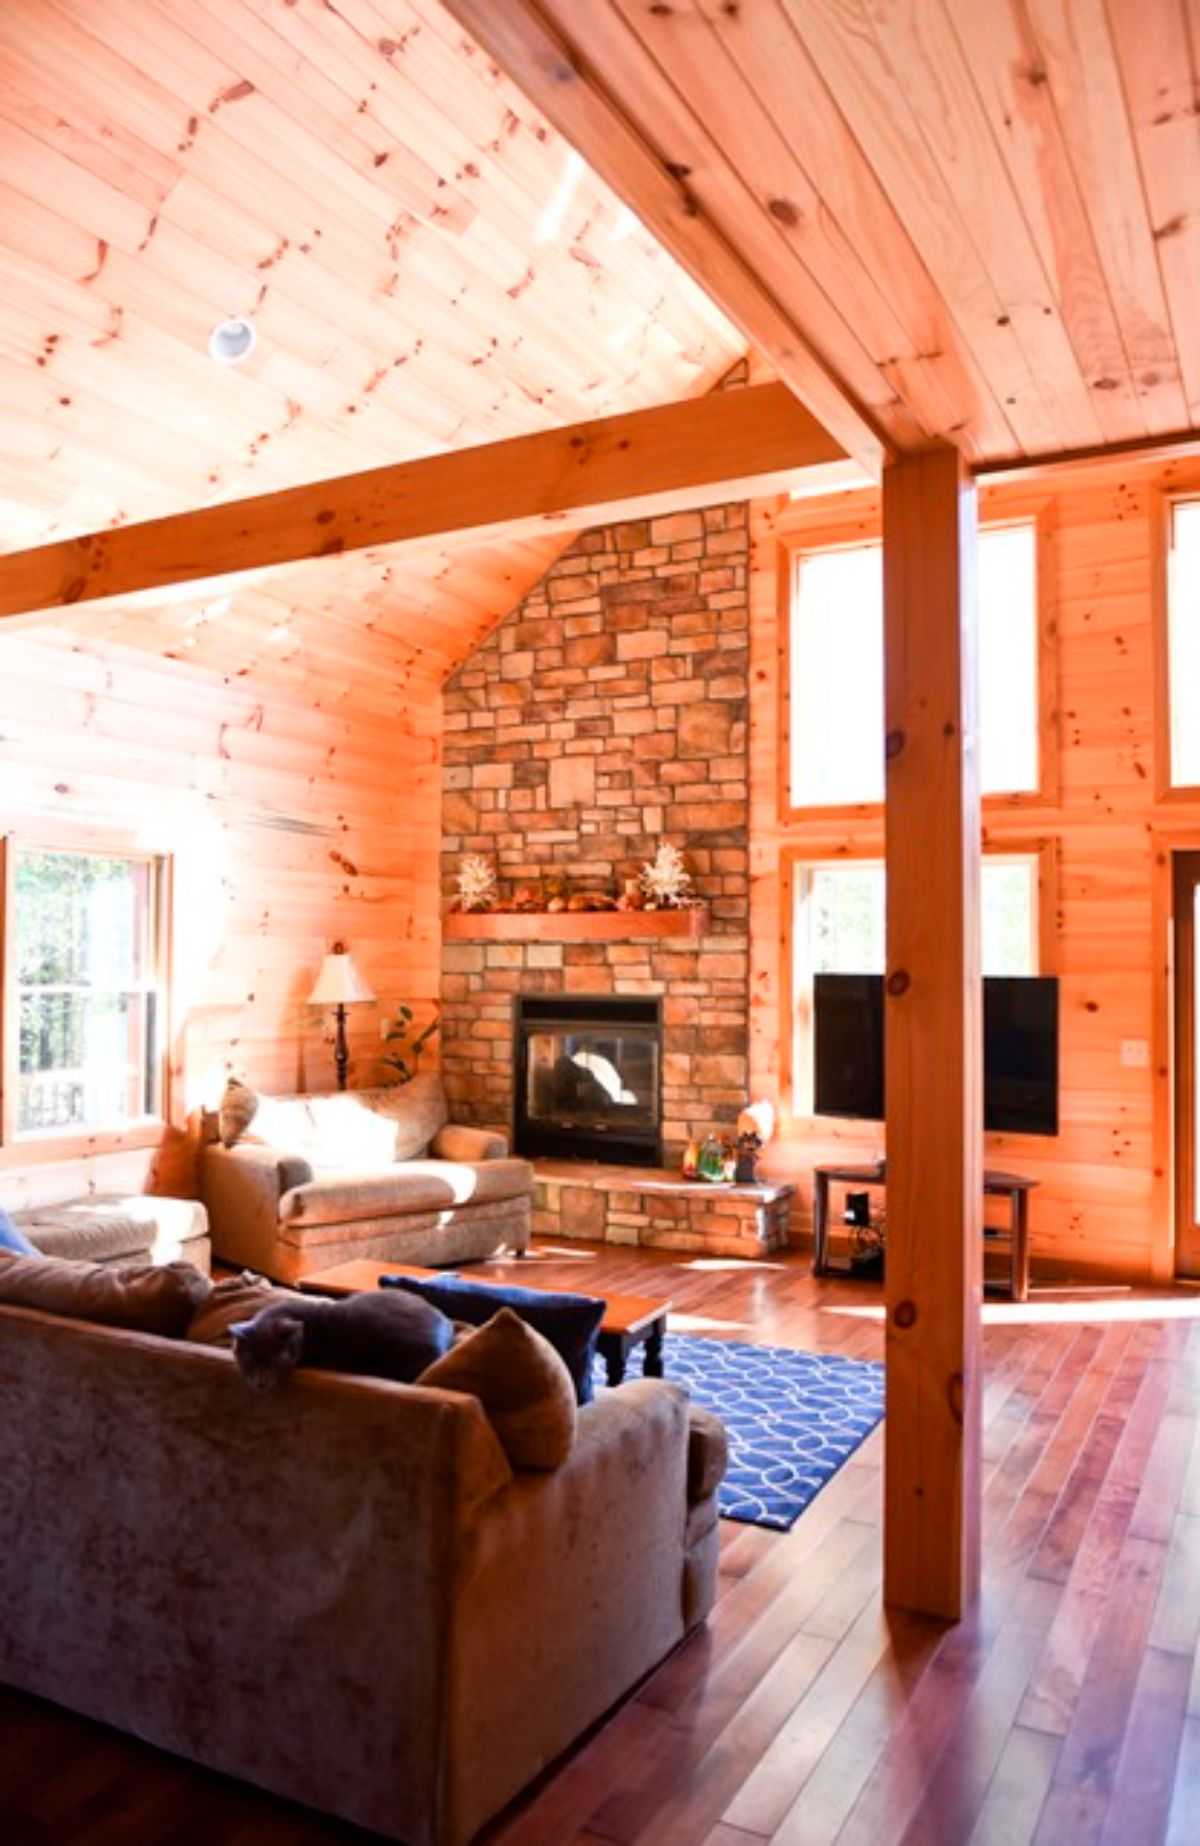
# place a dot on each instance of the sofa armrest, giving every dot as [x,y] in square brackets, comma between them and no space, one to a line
[571,1586]
[708,1454]
[243,1186]
[458,1142]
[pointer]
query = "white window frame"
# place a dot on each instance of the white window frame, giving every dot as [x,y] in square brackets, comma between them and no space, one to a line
[1034,513]
[1168,673]
[123,1130]
[800,863]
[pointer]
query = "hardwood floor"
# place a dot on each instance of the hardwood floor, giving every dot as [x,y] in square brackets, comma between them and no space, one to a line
[1065,1709]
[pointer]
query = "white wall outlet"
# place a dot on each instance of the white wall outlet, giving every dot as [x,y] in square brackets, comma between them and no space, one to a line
[1135,1053]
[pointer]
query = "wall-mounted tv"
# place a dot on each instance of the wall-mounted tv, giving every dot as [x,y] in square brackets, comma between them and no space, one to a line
[1020,1050]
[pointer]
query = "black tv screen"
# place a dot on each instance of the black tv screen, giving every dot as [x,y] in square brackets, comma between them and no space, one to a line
[1020,1050]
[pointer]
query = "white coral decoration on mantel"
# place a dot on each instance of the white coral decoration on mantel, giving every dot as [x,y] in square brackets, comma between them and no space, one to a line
[666,879]
[476,883]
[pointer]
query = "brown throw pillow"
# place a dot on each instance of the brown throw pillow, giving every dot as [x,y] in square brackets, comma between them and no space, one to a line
[152,1299]
[239,1105]
[235,1298]
[523,1385]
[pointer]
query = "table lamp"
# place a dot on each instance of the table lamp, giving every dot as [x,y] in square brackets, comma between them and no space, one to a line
[339,985]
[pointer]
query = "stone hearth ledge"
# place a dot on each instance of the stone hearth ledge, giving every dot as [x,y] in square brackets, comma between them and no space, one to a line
[656,1208]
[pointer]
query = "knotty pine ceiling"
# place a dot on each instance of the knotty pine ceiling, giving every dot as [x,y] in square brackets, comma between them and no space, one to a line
[973,220]
[427,263]
[981,216]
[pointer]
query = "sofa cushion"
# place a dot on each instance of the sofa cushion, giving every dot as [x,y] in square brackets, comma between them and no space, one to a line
[116,1227]
[350,1128]
[234,1298]
[410,1186]
[147,1300]
[418,1109]
[12,1238]
[237,1110]
[522,1384]
[571,1323]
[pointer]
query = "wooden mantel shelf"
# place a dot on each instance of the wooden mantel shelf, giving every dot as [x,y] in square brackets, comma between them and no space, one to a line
[572,925]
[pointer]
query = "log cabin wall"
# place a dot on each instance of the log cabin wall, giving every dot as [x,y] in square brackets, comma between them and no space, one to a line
[288,827]
[1104,1200]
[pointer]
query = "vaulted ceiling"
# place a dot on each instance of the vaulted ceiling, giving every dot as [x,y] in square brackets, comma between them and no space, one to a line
[428,265]
[938,219]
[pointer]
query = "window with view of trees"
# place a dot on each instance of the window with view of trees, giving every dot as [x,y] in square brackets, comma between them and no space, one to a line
[1183,642]
[835,743]
[84,943]
[839,921]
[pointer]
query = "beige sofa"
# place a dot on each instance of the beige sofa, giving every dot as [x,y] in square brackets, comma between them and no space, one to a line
[338,1590]
[312,1181]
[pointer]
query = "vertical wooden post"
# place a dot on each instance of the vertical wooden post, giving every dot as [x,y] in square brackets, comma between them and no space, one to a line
[934,1037]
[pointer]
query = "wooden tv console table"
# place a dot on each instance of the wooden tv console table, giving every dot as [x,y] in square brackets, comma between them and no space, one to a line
[996,1185]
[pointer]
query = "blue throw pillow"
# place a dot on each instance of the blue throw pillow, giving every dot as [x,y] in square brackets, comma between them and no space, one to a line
[13,1239]
[571,1323]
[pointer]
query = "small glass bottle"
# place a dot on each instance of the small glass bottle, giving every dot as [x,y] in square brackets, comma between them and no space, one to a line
[711,1164]
[691,1158]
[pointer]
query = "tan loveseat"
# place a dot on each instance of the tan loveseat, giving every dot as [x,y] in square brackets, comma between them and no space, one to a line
[338,1590]
[312,1181]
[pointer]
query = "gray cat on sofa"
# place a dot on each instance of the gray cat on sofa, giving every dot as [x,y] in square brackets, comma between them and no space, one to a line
[381,1335]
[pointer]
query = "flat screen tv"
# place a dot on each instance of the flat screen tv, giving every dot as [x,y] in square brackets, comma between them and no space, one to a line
[1020,1050]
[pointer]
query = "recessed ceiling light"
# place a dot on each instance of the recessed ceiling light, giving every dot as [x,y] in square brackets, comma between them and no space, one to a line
[232,341]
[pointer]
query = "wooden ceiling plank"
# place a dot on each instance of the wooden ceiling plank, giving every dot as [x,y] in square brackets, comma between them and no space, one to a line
[991,197]
[1005,67]
[623,70]
[510,31]
[490,112]
[1079,57]
[754,185]
[709,448]
[937,80]
[494,140]
[270,242]
[1160,70]
[879,111]
[934,367]
[50,111]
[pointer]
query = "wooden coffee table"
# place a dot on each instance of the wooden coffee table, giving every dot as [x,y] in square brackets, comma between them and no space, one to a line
[629,1320]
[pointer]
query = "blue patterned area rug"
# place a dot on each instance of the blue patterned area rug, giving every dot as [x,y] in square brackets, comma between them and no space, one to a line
[793,1419]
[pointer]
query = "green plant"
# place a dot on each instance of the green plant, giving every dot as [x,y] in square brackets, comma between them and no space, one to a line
[403,1063]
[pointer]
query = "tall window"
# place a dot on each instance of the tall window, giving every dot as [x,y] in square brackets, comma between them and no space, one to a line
[84,938]
[1183,642]
[836,691]
[838,927]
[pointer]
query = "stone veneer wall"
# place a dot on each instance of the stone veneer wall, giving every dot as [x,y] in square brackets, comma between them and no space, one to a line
[607,713]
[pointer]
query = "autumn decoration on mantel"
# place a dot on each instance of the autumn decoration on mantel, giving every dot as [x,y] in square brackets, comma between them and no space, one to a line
[657,901]
[664,883]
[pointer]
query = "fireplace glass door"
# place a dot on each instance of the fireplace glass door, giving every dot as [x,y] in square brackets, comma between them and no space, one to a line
[588,1081]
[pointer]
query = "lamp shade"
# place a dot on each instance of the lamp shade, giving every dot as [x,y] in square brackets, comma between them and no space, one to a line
[339,982]
[758,1119]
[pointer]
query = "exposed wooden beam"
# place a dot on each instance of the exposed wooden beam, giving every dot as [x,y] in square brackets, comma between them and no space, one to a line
[1180,447]
[932,1501]
[555,78]
[724,446]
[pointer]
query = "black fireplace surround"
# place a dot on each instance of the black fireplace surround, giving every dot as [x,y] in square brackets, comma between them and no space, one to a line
[588,1077]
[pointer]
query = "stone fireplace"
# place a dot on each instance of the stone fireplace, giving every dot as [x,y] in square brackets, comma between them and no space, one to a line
[608,713]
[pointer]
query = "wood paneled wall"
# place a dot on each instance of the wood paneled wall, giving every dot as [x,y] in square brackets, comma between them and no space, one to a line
[288,827]
[1104,1200]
